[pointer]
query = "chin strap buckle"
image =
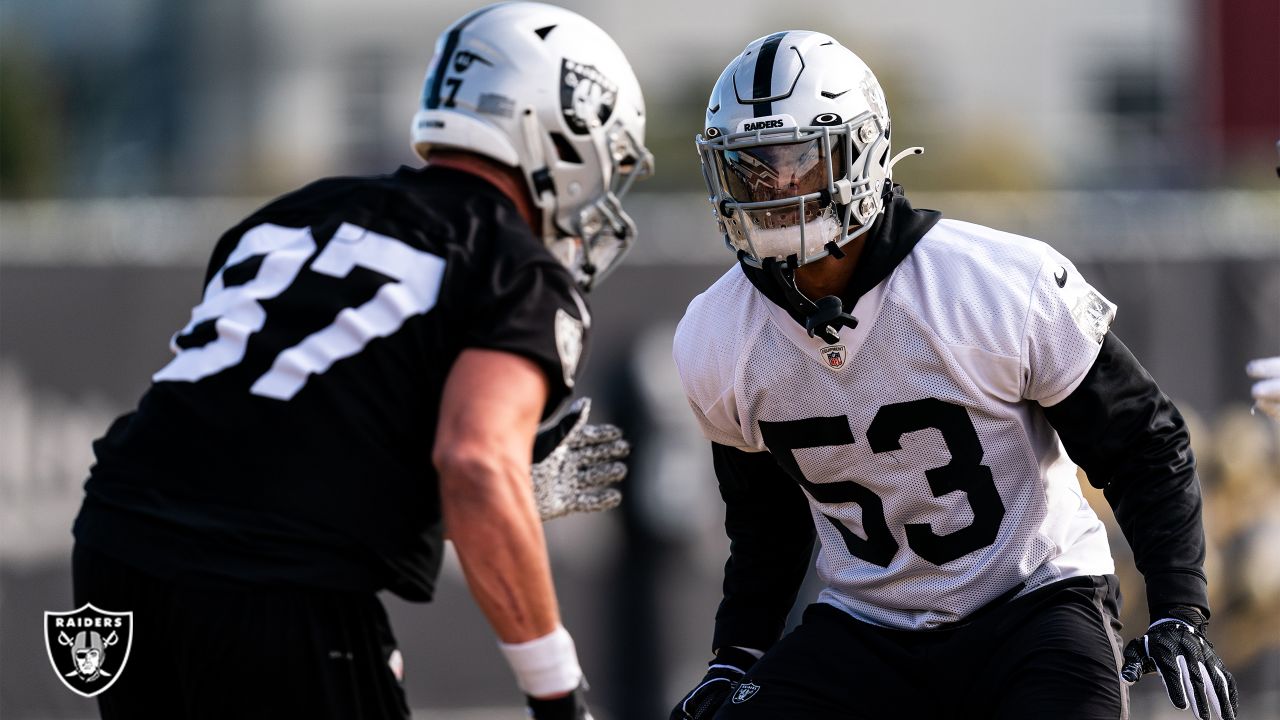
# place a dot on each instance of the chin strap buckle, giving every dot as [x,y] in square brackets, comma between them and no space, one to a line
[827,317]
[823,318]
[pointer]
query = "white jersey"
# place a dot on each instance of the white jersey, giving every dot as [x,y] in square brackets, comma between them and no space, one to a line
[935,483]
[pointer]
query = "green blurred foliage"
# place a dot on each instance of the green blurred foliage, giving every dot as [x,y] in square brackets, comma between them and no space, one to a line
[29,122]
[670,137]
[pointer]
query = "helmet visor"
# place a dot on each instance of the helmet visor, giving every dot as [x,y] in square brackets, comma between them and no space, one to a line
[779,193]
[775,172]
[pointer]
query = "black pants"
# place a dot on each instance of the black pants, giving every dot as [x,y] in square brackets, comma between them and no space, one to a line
[1053,654]
[242,652]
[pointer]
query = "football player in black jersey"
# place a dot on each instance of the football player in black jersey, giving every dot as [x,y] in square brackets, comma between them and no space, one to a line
[366,372]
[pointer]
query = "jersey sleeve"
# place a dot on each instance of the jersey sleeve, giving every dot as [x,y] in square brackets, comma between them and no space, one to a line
[707,385]
[717,427]
[1066,321]
[528,305]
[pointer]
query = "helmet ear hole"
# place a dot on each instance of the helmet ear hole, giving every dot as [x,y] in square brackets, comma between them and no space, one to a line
[565,150]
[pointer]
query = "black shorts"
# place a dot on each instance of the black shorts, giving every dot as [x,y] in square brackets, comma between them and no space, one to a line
[1052,654]
[246,652]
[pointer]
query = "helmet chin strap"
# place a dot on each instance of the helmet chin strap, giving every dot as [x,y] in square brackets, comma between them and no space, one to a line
[823,318]
[826,316]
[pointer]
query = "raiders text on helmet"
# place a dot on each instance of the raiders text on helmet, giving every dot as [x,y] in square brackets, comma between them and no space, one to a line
[543,89]
[796,148]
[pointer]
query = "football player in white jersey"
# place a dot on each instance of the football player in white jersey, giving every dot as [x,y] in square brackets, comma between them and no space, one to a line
[917,392]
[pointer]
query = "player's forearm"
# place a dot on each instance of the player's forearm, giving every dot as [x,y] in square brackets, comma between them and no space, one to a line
[1133,443]
[760,586]
[483,444]
[489,513]
[771,539]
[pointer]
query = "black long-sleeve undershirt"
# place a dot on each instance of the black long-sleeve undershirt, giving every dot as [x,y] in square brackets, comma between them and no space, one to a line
[1132,442]
[770,544]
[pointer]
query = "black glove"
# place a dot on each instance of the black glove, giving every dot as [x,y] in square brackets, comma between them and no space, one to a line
[1175,647]
[724,673]
[570,707]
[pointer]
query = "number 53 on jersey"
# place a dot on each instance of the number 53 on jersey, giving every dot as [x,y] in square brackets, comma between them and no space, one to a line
[964,473]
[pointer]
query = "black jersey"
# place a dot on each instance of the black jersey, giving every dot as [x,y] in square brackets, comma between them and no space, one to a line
[289,440]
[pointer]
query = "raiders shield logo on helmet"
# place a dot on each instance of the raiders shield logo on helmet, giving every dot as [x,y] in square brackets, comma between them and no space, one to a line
[88,647]
[587,97]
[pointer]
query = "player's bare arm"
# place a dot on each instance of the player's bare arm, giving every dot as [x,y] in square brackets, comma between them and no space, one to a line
[482,451]
[485,438]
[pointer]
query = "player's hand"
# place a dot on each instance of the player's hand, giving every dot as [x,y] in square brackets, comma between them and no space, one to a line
[1193,675]
[724,674]
[1266,392]
[576,463]
[570,707]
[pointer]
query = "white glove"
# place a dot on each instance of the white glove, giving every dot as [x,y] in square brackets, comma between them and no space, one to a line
[1266,392]
[577,463]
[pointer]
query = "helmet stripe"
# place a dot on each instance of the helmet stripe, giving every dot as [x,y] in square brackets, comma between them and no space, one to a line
[446,55]
[762,86]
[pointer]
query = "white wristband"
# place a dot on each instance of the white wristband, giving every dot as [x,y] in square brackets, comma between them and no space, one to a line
[545,666]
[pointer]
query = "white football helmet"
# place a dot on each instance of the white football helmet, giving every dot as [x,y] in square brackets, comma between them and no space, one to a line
[545,90]
[796,149]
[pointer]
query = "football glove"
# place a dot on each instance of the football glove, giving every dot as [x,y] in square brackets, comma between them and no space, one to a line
[1176,648]
[570,707]
[1266,392]
[576,463]
[724,674]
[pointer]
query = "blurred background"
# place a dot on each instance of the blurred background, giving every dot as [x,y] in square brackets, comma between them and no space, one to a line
[1136,137]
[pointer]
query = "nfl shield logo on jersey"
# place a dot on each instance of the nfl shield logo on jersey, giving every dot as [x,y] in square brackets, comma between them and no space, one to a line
[745,692]
[88,647]
[833,355]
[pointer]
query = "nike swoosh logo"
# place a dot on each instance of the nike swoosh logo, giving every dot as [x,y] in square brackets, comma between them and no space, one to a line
[1060,277]
[833,95]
